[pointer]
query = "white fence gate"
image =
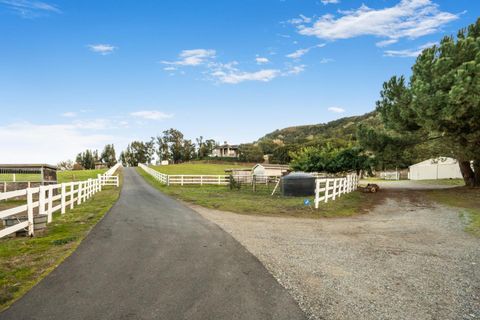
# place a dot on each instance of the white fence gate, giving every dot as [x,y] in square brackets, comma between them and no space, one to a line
[63,195]
[331,188]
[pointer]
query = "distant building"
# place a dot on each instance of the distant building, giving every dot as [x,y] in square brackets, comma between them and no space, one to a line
[100,165]
[225,151]
[432,169]
[263,169]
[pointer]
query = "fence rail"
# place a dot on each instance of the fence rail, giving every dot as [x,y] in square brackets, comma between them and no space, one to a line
[190,179]
[330,188]
[52,198]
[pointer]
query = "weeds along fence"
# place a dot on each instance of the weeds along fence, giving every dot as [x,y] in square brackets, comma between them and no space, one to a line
[331,188]
[46,200]
[189,179]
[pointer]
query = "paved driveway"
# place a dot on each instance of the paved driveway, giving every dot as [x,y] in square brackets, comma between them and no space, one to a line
[153,258]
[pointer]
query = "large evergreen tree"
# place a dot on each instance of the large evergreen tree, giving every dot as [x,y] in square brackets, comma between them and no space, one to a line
[442,100]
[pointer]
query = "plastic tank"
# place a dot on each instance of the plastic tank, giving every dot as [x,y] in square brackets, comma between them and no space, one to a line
[298,184]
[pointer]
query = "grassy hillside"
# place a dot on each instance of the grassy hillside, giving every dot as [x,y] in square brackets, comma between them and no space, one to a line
[340,131]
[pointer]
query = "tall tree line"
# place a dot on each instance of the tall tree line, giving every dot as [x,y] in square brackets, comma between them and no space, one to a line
[88,158]
[170,145]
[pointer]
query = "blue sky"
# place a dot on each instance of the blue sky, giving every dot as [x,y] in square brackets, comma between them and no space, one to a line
[80,74]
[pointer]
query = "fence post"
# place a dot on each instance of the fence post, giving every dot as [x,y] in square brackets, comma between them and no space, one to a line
[317,192]
[79,194]
[118,180]
[327,183]
[181,180]
[50,202]
[31,226]
[63,197]
[90,188]
[201,180]
[99,177]
[41,200]
[334,188]
[72,194]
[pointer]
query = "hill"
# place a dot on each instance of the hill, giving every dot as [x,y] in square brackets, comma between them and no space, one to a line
[340,131]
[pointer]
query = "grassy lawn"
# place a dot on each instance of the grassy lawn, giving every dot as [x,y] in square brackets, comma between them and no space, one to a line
[77,175]
[20,177]
[443,182]
[246,201]
[25,261]
[198,168]
[62,176]
[465,198]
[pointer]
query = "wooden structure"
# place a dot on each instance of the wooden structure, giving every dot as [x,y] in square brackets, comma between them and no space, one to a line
[47,172]
[47,199]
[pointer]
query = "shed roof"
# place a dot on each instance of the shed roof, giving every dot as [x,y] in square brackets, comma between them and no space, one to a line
[435,161]
[273,166]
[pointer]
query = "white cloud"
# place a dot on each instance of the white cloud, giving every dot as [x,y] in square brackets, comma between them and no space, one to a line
[298,53]
[30,9]
[408,53]
[326,60]
[385,43]
[69,114]
[261,60]
[296,69]
[408,19]
[300,19]
[169,68]
[234,76]
[103,49]
[151,115]
[192,57]
[32,143]
[325,2]
[336,110]
[301,52]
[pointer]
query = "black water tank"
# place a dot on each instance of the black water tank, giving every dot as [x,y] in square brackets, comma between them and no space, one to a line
[298,184]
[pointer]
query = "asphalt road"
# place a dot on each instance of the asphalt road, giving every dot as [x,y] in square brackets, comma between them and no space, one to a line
[153,258]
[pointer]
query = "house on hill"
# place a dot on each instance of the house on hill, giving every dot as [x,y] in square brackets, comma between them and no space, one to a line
[433,169]
[225,151]
[263,169]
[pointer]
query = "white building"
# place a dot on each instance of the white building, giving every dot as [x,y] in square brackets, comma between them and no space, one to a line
[263,169]
[432,169]
[225,151]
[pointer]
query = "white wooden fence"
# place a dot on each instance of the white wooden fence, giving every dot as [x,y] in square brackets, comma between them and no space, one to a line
[332,188]
[52,198]
[190,179]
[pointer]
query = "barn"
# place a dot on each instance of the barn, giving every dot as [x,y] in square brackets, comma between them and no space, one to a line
[435,168]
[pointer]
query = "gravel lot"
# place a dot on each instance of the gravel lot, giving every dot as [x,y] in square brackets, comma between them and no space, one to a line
[405,260]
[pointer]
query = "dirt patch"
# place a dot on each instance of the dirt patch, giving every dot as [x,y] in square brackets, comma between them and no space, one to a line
[407,259]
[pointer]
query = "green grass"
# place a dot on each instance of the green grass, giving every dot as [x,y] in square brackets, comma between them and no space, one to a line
[245,201]
[25,261]
[443,182]
[23,177]
[78,175]
[198,168]
[62,176]
[467,199]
